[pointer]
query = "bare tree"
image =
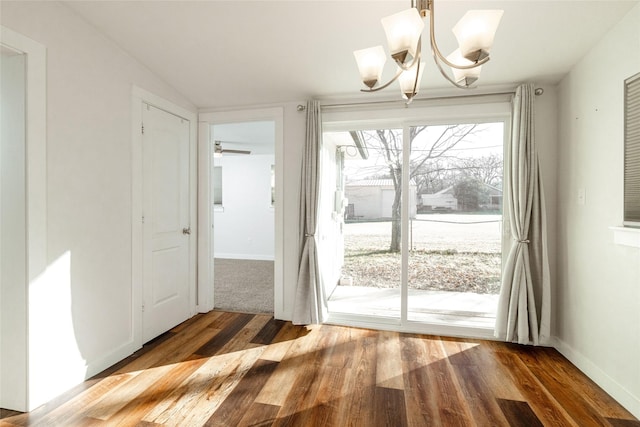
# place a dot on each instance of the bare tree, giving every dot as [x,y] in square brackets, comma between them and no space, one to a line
[435,175]
[388,144]
[485,169]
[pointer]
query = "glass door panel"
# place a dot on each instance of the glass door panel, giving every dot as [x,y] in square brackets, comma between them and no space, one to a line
[371,194]
[455,224]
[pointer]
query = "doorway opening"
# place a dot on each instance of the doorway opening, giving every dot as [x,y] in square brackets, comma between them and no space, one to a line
[243,212]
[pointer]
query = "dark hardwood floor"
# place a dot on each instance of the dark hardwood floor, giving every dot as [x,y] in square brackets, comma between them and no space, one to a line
[232,369]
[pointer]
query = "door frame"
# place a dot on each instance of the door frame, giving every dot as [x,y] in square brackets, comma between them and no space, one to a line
[17,354]
[139,97]
[205,219]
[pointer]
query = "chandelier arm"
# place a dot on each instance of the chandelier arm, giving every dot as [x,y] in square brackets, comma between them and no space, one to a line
[415,83]
[435,51]
[375,89]
[445,74]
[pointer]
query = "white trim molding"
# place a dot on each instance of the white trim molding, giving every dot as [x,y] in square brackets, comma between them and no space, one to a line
[205,254]
[627,236]
[21,396]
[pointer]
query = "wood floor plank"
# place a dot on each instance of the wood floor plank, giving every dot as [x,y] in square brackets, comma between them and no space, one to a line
[432,394]
[304,390]
[283,341]
[518,414]
[277,388]
[243,395]
[65,413]
[325,409]
[268,333]
[569,397]
[242,338]
[358,392]
[205,390]
[249,370]
[461,355]
[479,396]
[259,415]
[190,323]
[598,398]
[390,410]
[546,408]
[388,370]
[131,390]
[134,412]
[312,399]
[183,343]
[494,374]
[234,323]
[615,422]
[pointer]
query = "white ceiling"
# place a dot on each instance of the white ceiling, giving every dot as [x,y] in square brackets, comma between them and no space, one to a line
[228,53]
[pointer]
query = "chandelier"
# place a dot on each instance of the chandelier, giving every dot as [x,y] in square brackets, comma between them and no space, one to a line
[474,32]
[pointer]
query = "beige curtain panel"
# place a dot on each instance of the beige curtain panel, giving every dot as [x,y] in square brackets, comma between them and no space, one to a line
[308,303]
[524,312]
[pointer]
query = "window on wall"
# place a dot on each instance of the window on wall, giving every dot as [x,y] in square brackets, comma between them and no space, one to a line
[217,185]
[632,151]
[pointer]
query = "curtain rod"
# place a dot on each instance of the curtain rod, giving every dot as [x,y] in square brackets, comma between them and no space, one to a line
[538,91]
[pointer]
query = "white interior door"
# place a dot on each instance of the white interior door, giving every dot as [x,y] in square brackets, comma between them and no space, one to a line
[166,216]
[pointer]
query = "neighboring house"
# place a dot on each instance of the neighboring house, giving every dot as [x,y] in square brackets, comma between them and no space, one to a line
[488,198]
[492,198]
[373,198]
[443,199]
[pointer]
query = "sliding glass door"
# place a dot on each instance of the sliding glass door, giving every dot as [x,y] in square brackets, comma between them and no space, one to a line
[370,176]
[420,206]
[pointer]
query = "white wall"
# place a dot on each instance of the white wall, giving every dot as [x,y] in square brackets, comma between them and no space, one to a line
[81,308]
[598,298]
[244,229]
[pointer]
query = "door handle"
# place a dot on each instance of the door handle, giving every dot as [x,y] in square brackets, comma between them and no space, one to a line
[186,230]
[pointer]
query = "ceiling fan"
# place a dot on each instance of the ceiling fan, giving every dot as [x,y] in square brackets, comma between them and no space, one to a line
[218,151]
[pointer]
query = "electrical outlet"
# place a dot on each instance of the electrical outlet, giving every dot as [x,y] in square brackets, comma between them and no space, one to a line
[582,196]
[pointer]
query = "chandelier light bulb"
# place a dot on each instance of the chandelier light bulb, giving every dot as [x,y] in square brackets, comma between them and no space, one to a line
[403,30]
[410,79]
[475,32]
[465,77]
[370,64]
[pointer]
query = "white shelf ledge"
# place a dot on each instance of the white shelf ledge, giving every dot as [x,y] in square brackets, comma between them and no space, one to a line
[627,236]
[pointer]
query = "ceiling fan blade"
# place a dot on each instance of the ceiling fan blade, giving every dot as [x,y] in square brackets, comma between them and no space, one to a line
[236,151]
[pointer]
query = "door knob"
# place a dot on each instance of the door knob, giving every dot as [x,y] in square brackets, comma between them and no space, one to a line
[186,230]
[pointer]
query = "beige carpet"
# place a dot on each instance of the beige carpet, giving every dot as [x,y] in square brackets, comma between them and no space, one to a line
[243,285]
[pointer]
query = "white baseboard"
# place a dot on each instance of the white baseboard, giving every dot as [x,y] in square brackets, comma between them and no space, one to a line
[608,384]
[122,352]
